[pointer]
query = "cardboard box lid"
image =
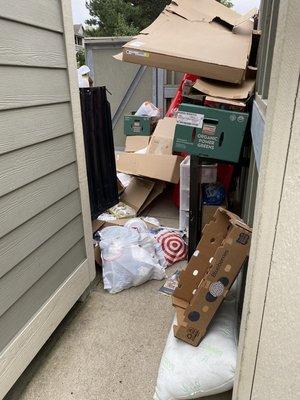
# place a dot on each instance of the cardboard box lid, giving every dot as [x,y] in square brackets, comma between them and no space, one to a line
[225,90]
[196,30]
[162,167]
[135,143]
[162,139]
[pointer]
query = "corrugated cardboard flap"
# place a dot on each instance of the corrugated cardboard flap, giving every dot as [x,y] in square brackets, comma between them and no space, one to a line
[225,90]
[209,11]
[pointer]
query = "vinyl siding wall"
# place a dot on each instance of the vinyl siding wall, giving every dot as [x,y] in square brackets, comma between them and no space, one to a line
[41,226]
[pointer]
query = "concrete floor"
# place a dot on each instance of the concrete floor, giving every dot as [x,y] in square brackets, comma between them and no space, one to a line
[109,347]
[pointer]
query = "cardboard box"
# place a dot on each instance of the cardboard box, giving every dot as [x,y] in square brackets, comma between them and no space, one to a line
[224,104]
[161,141]
[201,37]
[135,125]
[136,143]
[208,212]
[162,167]
[209,132]
[141,192]
[205,282]
[225,90]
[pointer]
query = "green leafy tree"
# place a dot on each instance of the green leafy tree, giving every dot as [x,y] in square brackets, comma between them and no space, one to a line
[112,18]
[124,17]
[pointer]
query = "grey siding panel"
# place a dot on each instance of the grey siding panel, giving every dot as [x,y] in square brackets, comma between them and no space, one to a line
[27,87]
[20,205]
[16,282]
[43,13]
[26,165]
[29,46]
[34,125]
[23,310]
[18,244]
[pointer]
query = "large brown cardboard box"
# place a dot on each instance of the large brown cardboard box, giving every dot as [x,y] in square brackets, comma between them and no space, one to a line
[162,139]
[201,37]
[135,143]
[162,167]
[221,253]
[141,192]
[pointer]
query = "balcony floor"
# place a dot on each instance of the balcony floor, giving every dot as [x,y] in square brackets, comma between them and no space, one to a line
[109,347]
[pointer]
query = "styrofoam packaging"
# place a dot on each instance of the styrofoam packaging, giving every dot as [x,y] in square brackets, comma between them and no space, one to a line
[184,200]
[209,173]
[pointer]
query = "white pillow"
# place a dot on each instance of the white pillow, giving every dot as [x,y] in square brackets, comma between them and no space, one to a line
[188,372]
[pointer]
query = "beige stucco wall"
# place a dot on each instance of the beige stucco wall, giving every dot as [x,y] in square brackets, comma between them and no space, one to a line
[117,77]
[269,345]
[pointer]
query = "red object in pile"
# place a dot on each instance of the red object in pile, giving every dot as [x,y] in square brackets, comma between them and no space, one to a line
[177,100]
[173,246]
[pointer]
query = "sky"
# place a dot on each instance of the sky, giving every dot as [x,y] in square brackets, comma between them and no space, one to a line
[80,13]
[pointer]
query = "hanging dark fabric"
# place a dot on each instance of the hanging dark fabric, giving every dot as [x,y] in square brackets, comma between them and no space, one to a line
[99,149]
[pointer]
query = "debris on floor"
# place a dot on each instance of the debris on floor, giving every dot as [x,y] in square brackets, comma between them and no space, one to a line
[171,284]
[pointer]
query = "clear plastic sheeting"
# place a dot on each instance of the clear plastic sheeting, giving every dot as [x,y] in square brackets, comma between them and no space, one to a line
[129,258]
[188,372]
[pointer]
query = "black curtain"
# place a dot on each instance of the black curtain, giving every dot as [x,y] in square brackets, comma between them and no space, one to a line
[99,149]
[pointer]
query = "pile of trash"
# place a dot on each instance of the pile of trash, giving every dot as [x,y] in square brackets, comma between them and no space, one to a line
[207,118]
[134,253]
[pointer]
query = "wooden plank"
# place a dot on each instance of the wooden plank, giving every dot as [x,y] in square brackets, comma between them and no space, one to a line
[20,167]
[20,352]
[43,13]
[18,244]
[27,126]
[26,307]
[16,282]
[27,87]
[78,134]
[20,205]
[30,46]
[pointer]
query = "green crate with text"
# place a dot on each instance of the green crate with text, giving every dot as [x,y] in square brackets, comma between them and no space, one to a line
[210,132]
[141,126]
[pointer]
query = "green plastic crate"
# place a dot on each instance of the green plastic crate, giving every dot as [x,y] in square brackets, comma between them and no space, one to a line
[134,125]
[210,132]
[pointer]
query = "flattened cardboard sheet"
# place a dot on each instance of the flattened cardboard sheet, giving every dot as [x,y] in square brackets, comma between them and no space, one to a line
[178,40]
[225,90]
[162,167]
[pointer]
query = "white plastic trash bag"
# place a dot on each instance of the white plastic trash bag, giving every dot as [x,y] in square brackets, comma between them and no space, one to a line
[149,110]
[125,263]
[188,372]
